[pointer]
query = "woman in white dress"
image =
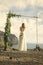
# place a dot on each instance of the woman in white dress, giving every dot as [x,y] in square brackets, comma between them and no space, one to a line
[22,46]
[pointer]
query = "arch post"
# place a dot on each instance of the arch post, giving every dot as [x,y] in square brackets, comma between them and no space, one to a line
[7,29]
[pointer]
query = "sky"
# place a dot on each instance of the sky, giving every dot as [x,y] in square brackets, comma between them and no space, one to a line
[27,8]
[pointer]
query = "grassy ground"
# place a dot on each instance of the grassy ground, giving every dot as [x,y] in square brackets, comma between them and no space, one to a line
[15,57]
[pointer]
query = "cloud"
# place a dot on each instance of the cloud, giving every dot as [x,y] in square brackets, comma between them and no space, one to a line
[22,6]
[39,3]
[21,3]
[28,11]
[30,27]
[25,7]
[40,13]
[40,23]
[40,19]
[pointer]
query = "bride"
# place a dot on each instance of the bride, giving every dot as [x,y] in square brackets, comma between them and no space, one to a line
[22,46]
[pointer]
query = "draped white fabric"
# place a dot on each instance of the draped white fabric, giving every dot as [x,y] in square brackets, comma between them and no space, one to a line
[22,45]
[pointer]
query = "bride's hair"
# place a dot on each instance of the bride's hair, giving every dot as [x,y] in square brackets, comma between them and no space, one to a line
[22,28]
[23,25]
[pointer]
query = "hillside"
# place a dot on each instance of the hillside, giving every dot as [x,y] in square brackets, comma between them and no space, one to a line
[12,38]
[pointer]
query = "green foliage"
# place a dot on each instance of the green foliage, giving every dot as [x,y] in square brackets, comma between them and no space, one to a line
[7,32]
[7,29]
[13,15]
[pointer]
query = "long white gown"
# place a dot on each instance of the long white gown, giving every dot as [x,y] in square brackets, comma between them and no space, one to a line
[22,45]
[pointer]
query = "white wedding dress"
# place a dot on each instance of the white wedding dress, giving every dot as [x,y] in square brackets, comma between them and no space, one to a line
[22,45]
